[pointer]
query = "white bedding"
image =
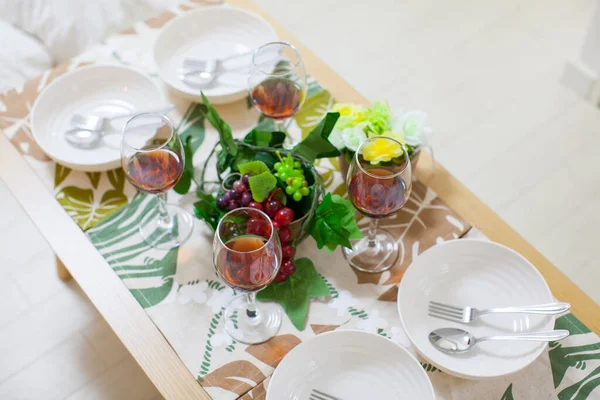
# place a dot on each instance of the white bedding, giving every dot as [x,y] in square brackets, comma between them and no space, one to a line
[36,34]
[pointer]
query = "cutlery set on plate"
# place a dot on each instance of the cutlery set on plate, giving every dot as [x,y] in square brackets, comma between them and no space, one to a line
[455,340]
[87,131]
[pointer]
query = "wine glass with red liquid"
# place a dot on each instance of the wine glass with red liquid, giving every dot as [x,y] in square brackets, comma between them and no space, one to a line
[277,82]
[379,183]
[153,160]
[247,256]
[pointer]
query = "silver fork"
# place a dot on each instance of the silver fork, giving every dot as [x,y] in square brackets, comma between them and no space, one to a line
[95,123]
[210,65]
[318,395]
[467,315]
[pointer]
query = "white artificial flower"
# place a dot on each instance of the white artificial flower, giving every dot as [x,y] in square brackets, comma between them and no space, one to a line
[415,127]
[335,138]
[373,323]
[342,302]
[197,293]
[219,299]
[353,137]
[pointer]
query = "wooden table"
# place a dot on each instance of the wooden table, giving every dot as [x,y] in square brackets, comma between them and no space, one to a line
[131,323]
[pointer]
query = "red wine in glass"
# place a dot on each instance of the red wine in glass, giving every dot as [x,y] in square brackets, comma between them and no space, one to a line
[377,197]
[154,171]
[277,98]
[244,266]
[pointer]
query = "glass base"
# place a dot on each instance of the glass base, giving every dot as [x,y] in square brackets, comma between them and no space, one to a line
[167,234]
[250,329]
[379,257]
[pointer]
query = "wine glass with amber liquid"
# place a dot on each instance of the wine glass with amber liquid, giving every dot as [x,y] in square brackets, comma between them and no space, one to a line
[247,257]
[153,160]
[277,82]
[379,183]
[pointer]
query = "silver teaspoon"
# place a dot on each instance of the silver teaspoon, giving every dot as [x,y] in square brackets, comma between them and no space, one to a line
[454,340]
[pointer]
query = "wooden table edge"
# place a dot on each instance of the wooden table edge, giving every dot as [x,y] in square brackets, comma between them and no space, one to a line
[455,194]
[96,278]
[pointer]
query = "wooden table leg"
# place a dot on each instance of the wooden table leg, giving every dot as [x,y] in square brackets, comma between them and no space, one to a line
[62,271]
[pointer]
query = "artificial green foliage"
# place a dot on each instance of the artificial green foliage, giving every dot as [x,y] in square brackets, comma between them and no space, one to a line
[315,144]
[206,208]
[261,185]
[294,293]
[253,168]
[225,136]
[191,133]
[334,223]
[260,138]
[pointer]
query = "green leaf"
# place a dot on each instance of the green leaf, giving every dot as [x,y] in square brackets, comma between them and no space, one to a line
[206,209]
[94,178]
[294,294]
[225,136]
[82,206]
[185,182]
[334,223]
[261,185]
[191,132]
[261,138]
[253,167]
[60,174]
[313,110]
[224,161]
[348,222]
[508,393]
[315,144]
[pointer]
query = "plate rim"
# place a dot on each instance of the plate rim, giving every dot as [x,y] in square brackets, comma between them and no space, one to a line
[214,99]
[97,167]
[359,331]
[446,369]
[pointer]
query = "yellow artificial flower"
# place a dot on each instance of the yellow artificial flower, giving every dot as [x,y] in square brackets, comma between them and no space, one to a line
[357,112]
[381,150]
[393,135]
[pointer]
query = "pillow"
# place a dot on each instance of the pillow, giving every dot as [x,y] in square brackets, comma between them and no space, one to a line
[68,27]
[22,57]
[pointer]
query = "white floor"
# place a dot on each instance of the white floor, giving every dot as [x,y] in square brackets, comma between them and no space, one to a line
[487,73]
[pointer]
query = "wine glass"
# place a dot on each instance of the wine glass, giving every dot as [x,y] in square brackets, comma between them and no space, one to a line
[379,183]
[152,157]
[277,82]
[247,256]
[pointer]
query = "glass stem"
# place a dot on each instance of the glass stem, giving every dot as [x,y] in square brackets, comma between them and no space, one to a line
[251,310]
[165,220]
[372,232]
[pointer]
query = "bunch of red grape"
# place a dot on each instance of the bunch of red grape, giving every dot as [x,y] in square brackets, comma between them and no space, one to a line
[241,196]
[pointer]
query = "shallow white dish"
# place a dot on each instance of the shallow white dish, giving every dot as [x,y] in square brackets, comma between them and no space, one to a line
[351,365]
[102,90]
[209,33]
[481,274]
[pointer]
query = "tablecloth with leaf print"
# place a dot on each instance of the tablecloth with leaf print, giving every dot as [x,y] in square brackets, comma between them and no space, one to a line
[182,295]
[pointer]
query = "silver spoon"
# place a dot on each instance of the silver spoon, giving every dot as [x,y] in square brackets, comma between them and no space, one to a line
[87,131]
[454,340]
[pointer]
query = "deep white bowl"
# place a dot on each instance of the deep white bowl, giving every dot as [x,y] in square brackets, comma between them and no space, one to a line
[103,90]
[350,364]
[210,33]
[481,274]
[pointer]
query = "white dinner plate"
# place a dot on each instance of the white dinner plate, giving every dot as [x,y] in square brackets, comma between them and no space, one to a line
[102,90]
[352,365]
[480,274]
[211,33]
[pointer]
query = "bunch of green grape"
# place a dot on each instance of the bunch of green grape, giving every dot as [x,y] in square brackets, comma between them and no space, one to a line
[291,172]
